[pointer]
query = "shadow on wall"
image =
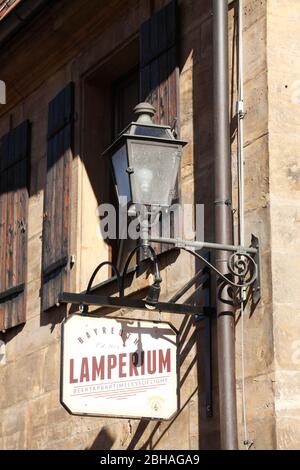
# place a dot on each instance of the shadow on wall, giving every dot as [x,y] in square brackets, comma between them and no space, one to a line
[149,436]
[104,441]
[157,433]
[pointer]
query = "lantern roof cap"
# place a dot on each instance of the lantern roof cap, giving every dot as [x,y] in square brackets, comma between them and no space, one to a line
[144,129]
[145,112]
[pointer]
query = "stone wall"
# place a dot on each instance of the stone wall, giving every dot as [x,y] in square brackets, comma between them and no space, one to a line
[258,324]
[284,124]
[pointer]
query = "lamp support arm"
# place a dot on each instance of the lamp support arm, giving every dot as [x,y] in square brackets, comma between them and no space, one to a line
[193,244]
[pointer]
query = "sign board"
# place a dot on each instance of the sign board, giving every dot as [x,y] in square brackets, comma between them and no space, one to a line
[119,367]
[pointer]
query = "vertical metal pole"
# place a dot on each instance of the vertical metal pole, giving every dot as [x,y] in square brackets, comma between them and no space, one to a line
[207,342]
[240,115]
[241,219]
[223,227]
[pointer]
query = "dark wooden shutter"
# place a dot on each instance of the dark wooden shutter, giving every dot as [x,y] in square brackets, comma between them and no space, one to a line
[14,176]
[56,225]
[158,63]
[159,78]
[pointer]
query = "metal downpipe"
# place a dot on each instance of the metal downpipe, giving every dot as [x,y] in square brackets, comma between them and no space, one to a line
[223,227]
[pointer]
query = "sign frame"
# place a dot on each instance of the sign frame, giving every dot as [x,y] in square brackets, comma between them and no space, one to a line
[124,319]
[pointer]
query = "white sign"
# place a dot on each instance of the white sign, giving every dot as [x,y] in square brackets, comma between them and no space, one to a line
[119,367]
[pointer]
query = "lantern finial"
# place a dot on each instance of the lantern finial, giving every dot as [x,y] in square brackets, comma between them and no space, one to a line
[145,112]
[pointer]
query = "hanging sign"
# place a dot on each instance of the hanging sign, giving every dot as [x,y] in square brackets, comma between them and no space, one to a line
[118,367]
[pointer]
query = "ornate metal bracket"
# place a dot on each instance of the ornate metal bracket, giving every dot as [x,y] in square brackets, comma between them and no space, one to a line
[243,263]
[239,264]
[256,285]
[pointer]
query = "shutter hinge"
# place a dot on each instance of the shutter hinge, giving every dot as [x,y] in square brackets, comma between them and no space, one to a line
[72,261]
[174,127]
[22,225]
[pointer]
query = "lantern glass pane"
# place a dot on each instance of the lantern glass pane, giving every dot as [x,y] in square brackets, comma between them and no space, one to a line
[120,165]
[155,168]
[149,131]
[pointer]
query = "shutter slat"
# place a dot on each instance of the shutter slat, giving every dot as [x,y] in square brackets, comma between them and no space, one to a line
[145,84]
[145,44]
[15,145]
[2,238]
[158,63]
[61,110]
[158,34]
[22,223]
[49,192]
[171,24]
[154,87]
[3,228]
[59,203]
[4,152]
[154,38]
[163,89]
[10,228]
[57,196]
[68,139]
[17,215]
[173,85]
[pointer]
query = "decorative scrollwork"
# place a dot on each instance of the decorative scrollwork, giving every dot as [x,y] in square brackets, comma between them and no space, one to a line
[239,264]
[242,265]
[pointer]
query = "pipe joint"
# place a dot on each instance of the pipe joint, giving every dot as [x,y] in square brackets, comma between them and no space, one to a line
[226,202]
